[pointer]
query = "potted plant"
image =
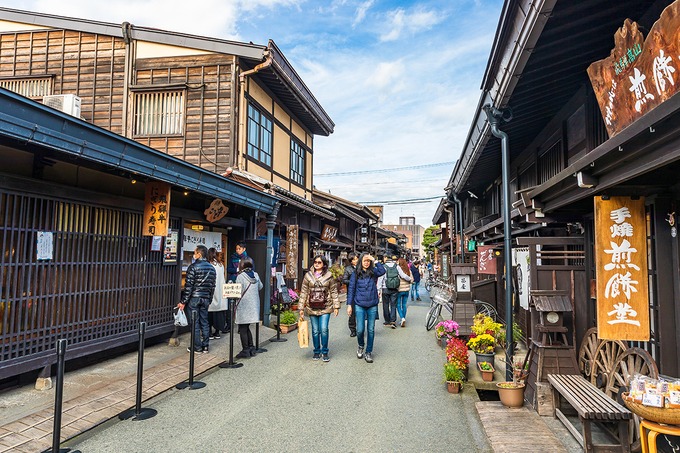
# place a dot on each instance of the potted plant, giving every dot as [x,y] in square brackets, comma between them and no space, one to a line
[446,330]
[293,299]
[487,371]
[457,354]
[482,324]
[337,271]
[511,393]
[288,321]
[453,376]
[483,346]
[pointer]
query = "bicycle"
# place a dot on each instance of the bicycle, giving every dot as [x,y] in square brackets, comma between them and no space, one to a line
[440,301]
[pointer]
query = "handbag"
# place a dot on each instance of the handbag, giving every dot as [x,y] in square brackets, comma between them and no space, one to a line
[317,297]
[303,333]
[181,318]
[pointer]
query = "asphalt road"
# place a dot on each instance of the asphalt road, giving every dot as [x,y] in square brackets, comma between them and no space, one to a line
[281,400]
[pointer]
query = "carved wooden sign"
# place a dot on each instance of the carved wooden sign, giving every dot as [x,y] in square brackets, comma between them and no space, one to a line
[486,260]
[621,269]
[639,74]
[329,233]
[292,251]
[156,209]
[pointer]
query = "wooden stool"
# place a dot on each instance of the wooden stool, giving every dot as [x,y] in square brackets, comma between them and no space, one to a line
[649,432]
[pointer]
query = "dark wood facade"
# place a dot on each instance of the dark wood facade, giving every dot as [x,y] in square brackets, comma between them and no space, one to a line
[561,158]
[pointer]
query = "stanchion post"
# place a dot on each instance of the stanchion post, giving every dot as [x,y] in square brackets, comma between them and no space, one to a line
[258,349]
[191,384]
[138,413]
[231,363]
[278,338]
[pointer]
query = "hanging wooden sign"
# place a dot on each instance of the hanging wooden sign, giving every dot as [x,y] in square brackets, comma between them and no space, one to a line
[329,233]
[156,209]
[292,251]
[639,74]
[621,269]
[486,260]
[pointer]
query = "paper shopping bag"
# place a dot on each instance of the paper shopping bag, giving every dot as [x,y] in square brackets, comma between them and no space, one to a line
[303,334]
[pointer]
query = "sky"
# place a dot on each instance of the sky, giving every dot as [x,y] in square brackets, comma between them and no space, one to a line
[399,78]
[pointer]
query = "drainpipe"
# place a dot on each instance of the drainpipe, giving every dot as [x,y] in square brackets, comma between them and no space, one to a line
[461,257]
[271,223]
[126,29]
[452,222]
[495,116]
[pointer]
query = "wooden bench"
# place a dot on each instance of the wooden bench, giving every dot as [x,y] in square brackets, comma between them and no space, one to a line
[592,405]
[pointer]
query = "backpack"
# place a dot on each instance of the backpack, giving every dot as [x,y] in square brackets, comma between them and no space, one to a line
[391,277]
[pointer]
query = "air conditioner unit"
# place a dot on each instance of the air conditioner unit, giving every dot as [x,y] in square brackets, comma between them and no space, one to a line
[67,103]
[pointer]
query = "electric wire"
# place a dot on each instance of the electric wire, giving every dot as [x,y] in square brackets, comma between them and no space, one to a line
[383,170]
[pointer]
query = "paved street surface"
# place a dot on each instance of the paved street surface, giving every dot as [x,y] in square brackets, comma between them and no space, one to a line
[281,400]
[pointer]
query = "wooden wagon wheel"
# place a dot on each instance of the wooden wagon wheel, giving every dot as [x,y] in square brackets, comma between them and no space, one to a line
[632,361]
[586,352]
[604,360]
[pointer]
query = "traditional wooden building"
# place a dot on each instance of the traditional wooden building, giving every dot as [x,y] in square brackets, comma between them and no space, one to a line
[75,258]
[583,94]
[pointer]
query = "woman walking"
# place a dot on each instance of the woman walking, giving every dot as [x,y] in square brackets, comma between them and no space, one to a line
[352,259]
[248,308]
[217,310]
[318,299]
[362,297]
[405,279]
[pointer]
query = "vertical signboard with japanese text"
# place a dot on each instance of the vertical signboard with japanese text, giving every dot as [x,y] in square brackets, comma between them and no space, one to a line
[291,251]
[486,260]
[621,269]
[156,209]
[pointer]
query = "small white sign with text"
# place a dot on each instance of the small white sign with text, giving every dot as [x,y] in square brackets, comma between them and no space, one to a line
[231,291]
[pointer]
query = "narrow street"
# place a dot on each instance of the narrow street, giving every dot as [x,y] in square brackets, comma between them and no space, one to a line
[281,400]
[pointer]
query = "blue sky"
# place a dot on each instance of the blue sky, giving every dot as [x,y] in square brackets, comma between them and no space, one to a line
[400,79]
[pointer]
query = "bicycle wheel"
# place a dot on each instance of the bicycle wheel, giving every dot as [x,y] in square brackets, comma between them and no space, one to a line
[486,308]
[428,285]
[433,316]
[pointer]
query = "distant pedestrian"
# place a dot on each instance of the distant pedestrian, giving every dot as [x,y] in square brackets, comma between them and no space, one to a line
[415,271]
[390,290]
[362,297]
[248,308]
[217,311]
[318,299]
[405,279]
[349,270]
[235,259]
[198,293]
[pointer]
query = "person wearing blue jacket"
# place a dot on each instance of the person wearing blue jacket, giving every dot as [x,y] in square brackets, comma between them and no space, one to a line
[362,298]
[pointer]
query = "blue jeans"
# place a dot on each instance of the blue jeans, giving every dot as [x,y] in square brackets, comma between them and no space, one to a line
[320,332]
[414,290]
[366,321]
[402,300]
[202,328]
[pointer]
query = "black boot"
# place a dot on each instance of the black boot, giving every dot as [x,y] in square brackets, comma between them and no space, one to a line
[252,351]
[245,354]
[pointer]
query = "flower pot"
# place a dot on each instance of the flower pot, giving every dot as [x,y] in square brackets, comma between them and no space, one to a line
[294,306]
[453,387]
[512,396]
[487,376]
[285,328]
[484,358]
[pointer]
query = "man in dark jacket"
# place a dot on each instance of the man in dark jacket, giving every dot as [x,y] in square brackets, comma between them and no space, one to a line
[416,280]
[198,293]
[235,259]
[349,270]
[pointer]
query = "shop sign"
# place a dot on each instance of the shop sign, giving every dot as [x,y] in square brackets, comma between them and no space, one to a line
[486,260]
[621,269]
[291,251]
[329,233]
[639,74]
[156,209]
[215,211]
[192,238]
[170,253]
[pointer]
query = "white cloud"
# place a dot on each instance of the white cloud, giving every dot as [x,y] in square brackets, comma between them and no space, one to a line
[399,21]
[361,11]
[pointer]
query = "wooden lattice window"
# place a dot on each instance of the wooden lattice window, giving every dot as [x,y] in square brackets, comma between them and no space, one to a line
[33,87]
[159,113]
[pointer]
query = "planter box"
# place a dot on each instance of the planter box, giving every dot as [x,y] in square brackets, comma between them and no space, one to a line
[485,358]
[487,376]
[285,328]
[453,387]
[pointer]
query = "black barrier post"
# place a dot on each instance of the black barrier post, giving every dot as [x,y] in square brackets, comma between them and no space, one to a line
[138,413]
[58,400]
[278,338]
[258,349]
[192,385]
[231,363]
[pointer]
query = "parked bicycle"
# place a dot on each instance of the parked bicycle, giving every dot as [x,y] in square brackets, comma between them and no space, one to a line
[439,301]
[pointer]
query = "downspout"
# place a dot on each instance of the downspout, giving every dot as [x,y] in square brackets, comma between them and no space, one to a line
[461,257]
[495,116]
[447,209]
[126,29]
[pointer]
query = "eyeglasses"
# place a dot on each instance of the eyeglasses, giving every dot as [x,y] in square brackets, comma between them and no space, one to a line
[318,262]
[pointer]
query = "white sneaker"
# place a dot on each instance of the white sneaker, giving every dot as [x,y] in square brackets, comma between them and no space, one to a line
[403,322]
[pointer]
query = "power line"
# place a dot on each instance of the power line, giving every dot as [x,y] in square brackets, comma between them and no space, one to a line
[383,170]
[405,201]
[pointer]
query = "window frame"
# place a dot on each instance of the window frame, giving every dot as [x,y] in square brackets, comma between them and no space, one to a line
[148,129]
[298,155]
[255,140]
